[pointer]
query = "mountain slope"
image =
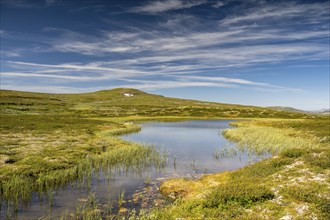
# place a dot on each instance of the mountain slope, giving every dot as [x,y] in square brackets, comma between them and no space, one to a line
[126,102]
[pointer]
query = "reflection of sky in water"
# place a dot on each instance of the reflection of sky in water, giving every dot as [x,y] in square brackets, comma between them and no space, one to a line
[191,143]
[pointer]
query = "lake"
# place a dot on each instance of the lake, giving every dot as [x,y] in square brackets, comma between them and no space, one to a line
[190,147]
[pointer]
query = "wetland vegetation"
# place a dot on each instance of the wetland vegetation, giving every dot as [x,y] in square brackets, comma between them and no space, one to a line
[293,184]
[49,140]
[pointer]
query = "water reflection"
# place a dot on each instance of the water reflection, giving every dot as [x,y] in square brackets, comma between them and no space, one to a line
[191,145]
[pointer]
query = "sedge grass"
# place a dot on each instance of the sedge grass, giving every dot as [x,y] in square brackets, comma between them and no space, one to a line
[259,140]
[40,166]
[296,181]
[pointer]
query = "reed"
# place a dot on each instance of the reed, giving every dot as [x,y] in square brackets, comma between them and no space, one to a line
[17,189]
[259,140]
[121,198]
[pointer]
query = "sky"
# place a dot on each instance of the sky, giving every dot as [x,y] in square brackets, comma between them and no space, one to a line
[250,52]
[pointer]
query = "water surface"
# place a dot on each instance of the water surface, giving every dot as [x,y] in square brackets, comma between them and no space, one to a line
[191,145]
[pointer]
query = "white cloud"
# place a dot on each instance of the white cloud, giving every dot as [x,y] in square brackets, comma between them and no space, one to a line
[219,4]
[168,5]
[28,4]
[13,53]
[256,85]
[49,89]
[159,48]
[20,3]
[281,11]
[165,84]
[43,75]
[183,53]
[67,72]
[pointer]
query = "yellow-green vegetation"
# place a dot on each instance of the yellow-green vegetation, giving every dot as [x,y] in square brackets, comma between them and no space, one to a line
[295,184]
[39,153]
[112,103]
[268,137]
[48,140]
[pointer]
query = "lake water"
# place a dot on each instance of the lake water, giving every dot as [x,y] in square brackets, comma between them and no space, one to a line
[190,146]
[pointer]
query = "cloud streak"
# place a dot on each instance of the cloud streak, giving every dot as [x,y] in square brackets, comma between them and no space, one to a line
[154,7]
[28,4]
[66,71]
[289,10]
[184,50]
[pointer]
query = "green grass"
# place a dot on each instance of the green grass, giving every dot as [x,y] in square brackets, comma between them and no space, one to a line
[47,140]
[241,194]
[263,139]
[295,182]
[39,153]
[112,103]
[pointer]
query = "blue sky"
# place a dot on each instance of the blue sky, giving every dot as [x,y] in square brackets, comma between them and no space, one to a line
[255,52]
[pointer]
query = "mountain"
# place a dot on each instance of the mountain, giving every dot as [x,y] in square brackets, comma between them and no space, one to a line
[286,109]
[324,112]
[124,102]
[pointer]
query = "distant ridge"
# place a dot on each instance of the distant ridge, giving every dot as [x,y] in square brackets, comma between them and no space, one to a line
[290,109]
[325,112]
[286,109]
[121,102]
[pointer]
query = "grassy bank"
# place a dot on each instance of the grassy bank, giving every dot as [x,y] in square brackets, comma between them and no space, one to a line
[295,184]
[41,153]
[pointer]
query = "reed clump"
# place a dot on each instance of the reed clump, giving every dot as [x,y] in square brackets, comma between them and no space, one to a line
[51,153]
[259,140]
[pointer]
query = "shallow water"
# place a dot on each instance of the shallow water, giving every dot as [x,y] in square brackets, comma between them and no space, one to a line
[190,146]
